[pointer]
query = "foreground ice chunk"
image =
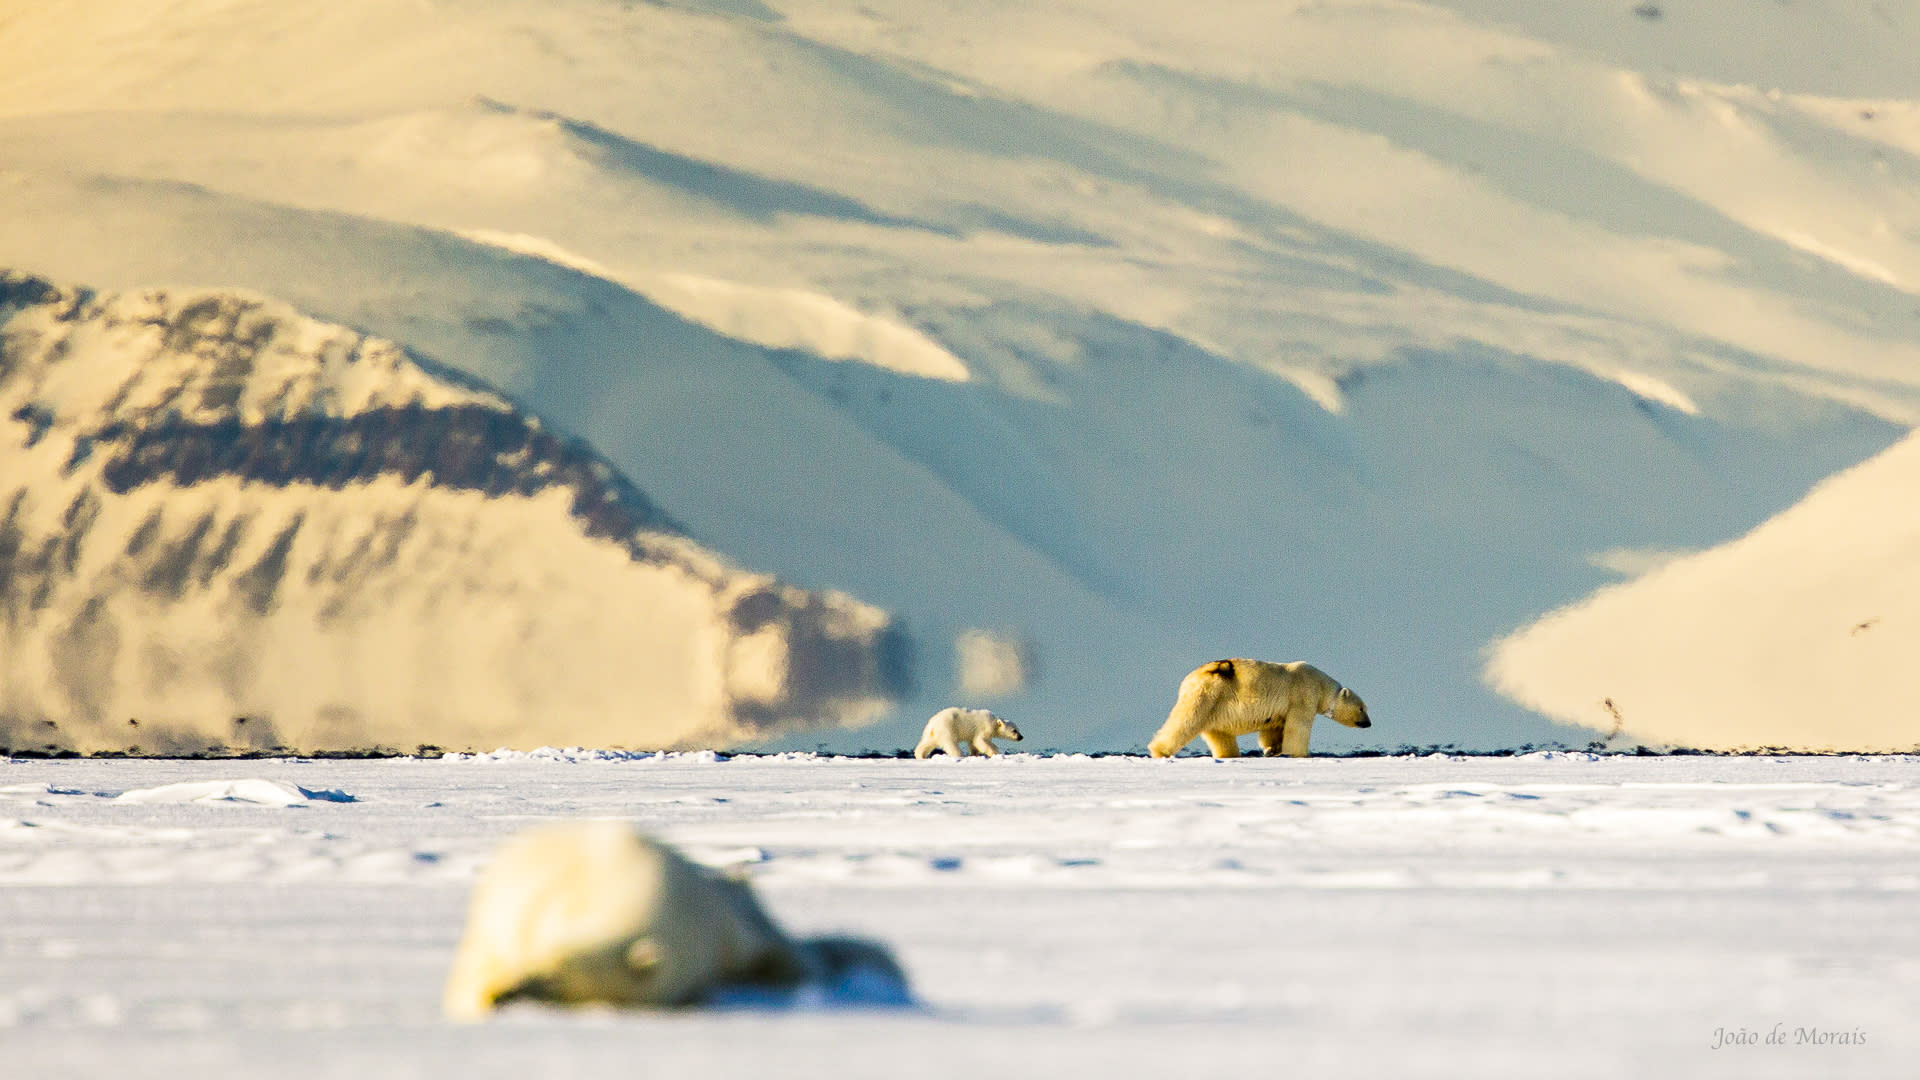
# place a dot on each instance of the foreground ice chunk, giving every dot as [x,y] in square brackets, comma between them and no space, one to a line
[261,792]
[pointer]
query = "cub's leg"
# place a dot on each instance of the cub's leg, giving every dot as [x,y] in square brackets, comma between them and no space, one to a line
[984,745]
[1223,746]
[1270,740]
[1294,739]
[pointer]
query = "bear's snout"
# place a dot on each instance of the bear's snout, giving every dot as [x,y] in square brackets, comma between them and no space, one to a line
[1364,723]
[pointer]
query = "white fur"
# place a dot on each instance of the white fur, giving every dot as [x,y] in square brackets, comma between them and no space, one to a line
[595,912]
[1226,699]
[963,731]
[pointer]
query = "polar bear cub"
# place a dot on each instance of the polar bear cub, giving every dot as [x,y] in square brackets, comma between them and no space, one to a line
[1226,699]
[596,912]
[963,731]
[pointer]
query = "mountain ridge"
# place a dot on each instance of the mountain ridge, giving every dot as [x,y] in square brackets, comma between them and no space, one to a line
[210,493]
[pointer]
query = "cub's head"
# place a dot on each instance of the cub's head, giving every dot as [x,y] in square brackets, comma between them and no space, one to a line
[1004,730]
[1348,709]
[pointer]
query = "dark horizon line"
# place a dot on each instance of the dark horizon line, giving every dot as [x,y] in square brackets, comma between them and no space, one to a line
[381,753]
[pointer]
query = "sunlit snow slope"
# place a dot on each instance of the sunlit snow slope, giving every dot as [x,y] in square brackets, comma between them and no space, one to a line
[1802,633]
[1129,334]
[226,525]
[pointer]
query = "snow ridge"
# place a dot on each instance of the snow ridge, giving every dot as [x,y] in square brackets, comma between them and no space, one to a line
[1815,659]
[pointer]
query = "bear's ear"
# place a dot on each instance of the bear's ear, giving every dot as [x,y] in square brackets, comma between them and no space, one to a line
[644,953]
[1344,695]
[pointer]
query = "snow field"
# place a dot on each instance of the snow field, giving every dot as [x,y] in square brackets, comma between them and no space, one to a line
[1554,914]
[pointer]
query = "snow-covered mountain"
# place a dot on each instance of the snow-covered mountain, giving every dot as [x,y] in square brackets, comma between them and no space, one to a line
[1093,339]
[230,526]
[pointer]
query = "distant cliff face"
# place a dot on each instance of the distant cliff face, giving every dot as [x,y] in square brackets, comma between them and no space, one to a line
[223,524]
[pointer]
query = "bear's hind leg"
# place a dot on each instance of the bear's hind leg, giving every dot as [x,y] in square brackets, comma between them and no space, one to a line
[1192,711]
[1223,746]
[1164,746]
[925,749]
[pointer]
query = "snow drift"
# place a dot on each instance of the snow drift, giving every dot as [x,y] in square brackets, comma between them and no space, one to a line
[1800,635]
[227,525]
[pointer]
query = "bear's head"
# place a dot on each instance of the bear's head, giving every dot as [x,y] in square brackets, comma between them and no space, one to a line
[1348,709]
[1006,731]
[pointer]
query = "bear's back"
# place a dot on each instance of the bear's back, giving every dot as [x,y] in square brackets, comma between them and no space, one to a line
[1291,674]
[1266,680]
[965,723]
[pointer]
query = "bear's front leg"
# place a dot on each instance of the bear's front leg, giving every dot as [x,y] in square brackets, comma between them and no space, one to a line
[1270,738]
[1298,732]
[954,748]
[1223,746]
[984,745]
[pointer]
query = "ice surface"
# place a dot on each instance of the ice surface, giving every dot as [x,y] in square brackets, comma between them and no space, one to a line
[1556,914]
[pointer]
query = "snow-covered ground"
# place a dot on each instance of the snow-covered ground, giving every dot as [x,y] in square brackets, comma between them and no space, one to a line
[1547,915]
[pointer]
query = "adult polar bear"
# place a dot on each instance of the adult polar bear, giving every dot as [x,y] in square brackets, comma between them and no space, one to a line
[1226,699]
